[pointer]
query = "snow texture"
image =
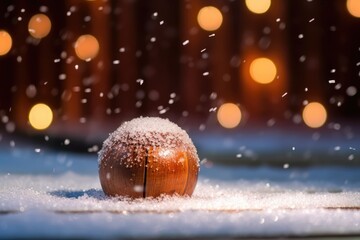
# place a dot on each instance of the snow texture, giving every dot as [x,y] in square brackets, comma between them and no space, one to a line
[147,132]
[73,205]
[51,198]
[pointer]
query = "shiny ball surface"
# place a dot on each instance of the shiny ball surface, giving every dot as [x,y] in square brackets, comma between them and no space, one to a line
[148,157]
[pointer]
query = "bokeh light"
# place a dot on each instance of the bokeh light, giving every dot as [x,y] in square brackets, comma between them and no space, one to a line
[5,42]
[209,18]
[229,115]
[86,47]
[353,6]
[314,115]
[40,116]
[263,70]
[258,6]
[39,26]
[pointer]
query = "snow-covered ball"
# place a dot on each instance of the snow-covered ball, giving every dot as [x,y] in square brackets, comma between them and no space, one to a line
[148,157]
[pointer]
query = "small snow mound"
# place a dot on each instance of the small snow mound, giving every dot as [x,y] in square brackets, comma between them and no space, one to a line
[150,124]
[148,132]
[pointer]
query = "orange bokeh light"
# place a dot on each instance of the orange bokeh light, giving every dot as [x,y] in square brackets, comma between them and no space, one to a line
[314,115]
[258,6]
[263,70]
[40,116]
[39,26]
[5,42]
[353,6]
[229,115]
[87,47]
[209,18]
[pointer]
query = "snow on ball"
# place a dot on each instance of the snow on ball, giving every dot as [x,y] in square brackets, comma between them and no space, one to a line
[148,157]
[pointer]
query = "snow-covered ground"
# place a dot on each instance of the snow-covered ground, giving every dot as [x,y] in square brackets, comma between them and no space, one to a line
[45,193]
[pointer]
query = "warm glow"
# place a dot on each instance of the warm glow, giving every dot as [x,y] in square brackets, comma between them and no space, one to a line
[314,115]
[40,116]
[229,115]
[258,6]
[353,6]
[5,42]
[86,47]
[209,18]
[262,70]
[39,26]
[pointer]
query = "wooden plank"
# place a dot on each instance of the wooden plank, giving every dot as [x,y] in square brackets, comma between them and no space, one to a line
[205,210]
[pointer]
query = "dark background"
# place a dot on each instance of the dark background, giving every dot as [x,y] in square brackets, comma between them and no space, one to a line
[331,41]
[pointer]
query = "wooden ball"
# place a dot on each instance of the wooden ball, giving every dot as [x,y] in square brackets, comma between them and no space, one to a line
[148,157]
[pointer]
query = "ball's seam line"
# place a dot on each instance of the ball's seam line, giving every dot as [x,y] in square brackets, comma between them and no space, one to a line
[145,172]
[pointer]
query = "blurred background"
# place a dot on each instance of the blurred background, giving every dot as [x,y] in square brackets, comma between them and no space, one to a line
[252,81]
